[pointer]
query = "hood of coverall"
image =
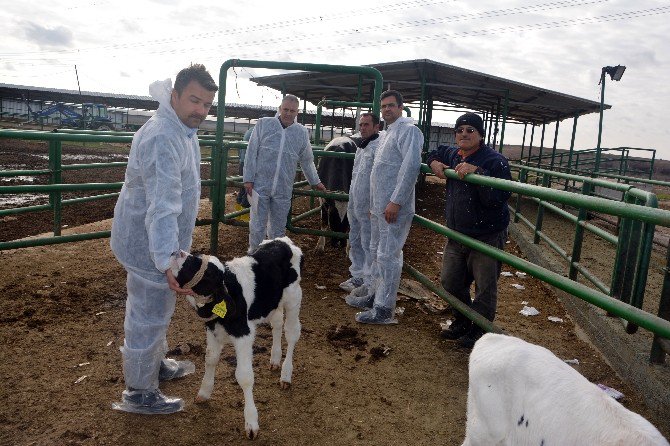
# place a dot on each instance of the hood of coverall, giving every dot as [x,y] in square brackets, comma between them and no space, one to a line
[161,91]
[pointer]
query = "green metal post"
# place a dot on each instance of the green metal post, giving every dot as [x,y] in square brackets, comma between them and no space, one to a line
[572,148]
[623,163]
[422,103]
[596,168]
[504,120]
[489,127]
[217,208]
[540,212]
[643,258]
[579,235]
[55,166]
[317,124]
[530,146]
[624,235]
[427,125]
[523,178]
[523,141]
[553,149]
[539,157]
[630,259]
[495,127]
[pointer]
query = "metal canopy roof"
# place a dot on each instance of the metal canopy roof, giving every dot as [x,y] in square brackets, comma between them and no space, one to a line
[445,84]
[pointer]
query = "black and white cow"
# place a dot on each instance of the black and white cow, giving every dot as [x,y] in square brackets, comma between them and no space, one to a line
[335,174]
[240,294]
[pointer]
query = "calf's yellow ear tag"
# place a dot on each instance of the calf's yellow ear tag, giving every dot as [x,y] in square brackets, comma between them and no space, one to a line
[220,309]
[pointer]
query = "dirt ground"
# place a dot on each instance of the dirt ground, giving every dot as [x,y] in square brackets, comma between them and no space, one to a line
[61,326]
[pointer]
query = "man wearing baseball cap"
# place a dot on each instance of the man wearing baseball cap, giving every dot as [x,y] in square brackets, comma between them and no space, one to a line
[480,212]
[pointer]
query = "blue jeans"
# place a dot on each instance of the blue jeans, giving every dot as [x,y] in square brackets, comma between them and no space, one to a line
[462,265]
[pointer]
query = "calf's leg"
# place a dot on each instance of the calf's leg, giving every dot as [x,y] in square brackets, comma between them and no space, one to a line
[276,321]
[244,374]
[212,355]
[292,299]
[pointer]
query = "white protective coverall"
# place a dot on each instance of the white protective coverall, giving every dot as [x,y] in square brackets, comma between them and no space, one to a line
[154,217]
[358,212]
[394,173]
[270,163]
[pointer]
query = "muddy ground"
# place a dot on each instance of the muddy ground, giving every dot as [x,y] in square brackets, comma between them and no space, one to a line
[61,325]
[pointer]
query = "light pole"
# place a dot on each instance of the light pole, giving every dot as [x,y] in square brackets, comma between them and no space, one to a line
[615,74]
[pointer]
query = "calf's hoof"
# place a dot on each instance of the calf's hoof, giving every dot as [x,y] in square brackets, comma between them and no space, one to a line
[201,399]
[252,432]
[284,385]
[275,366]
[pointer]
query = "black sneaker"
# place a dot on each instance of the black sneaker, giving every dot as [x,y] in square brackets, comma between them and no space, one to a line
[468,341]
[457,329]
[148,402]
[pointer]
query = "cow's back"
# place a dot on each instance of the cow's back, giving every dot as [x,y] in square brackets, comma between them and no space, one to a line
[335,173]
[522,394]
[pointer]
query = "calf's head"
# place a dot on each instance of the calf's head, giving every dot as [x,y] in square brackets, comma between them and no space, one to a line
[204,275]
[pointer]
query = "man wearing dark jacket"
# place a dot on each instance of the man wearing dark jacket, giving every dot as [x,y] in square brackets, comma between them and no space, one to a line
[476,211]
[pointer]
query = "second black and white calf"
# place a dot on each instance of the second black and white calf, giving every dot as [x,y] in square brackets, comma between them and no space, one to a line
[242,293]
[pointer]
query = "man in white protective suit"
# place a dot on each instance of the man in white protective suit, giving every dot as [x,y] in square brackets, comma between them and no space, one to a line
[358,207]
[154,217]
[394,173]
[276,146]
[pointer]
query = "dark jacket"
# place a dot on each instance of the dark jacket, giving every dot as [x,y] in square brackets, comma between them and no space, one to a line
[470,209]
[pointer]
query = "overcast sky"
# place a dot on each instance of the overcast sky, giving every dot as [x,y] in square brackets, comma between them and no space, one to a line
[121,47]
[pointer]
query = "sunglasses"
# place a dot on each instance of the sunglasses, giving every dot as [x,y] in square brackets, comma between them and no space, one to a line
[465,129]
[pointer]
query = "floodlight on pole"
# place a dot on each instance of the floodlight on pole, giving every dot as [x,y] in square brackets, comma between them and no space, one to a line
[615,74]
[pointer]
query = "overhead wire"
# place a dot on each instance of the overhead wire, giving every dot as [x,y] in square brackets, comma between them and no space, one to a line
[338,46]
[306,20]
[244,30]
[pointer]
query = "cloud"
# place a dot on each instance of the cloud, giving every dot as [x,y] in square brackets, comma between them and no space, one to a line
[131,26]
[58,37]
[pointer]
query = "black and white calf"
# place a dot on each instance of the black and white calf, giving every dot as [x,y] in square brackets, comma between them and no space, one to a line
[241,294]
[522,394]
[335,174]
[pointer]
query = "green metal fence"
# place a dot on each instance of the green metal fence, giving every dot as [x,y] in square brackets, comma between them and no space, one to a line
[615,162]
[57,187]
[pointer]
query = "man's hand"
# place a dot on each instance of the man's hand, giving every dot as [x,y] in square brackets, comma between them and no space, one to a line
[391,212]
[248,187]
[438,169]
[320,187]
[464,168]
[174,285]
